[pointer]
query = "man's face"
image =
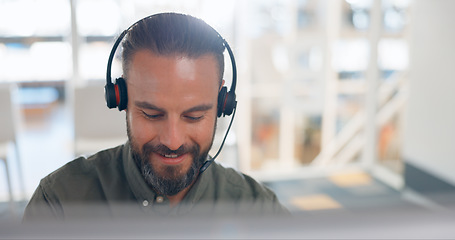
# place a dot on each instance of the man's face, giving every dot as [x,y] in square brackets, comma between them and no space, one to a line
[171,116]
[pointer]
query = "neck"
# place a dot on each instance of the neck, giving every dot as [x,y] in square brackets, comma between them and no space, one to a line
[177,198]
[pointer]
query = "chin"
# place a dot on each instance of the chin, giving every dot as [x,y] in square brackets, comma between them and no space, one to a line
[171,172]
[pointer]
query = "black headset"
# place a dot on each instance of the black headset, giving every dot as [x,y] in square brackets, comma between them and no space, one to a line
[116,94]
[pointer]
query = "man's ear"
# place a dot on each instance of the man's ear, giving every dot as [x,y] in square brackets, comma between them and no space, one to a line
[222,84]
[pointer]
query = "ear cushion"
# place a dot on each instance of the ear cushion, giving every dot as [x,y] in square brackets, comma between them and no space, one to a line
[123,93]
[226,102]
[109,95]
[221,101]
[230,103]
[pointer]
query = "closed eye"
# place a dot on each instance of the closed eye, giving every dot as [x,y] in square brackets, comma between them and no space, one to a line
[197,113]
[194,118]
[152,116]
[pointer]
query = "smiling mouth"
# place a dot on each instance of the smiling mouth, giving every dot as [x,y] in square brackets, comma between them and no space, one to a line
[172,159]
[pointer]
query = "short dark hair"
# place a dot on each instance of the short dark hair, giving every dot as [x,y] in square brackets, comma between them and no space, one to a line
[170,34]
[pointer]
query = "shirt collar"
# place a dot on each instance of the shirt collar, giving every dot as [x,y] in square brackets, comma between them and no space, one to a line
[149,199]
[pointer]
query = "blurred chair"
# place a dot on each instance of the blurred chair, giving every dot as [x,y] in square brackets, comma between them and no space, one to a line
[95,126]
[9,120]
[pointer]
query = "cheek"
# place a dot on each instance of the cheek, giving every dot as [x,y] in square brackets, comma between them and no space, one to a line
[203,134]
[140,131]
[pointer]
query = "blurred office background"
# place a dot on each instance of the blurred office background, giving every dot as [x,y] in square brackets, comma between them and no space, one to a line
[353,91]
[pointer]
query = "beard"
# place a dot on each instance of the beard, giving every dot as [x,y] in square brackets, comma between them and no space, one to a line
[168,180]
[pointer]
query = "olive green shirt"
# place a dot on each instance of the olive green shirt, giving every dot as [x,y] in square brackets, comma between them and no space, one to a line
[109,184]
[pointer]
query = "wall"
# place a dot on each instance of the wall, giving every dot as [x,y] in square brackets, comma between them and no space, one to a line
[429,129]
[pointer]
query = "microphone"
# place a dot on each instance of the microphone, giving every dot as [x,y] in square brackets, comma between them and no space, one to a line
[208,162]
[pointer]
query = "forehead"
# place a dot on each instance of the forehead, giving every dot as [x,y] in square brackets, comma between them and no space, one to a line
[141,53]
[175,74]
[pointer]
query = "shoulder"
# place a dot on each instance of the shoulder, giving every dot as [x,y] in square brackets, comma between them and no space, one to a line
[247,194]
[87,166]
[238,183]
[94,180]
[82,173]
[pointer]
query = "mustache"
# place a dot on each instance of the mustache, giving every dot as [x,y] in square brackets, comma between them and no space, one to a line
[161,149]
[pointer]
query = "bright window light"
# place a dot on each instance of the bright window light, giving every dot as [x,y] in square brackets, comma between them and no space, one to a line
[98,17]
[351,55]
[393,54]
[50,61]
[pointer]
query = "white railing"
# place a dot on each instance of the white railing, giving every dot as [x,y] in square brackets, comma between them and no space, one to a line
[349,142]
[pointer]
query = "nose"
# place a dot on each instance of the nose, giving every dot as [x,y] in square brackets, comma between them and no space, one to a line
[172,134]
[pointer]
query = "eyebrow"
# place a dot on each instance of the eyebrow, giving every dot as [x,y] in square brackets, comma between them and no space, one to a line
[146,105]
[199,108]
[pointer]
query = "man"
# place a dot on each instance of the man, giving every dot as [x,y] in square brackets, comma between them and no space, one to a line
[173,66]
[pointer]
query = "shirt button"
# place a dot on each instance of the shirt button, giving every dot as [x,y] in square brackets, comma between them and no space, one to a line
[159,199]
[145,203]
